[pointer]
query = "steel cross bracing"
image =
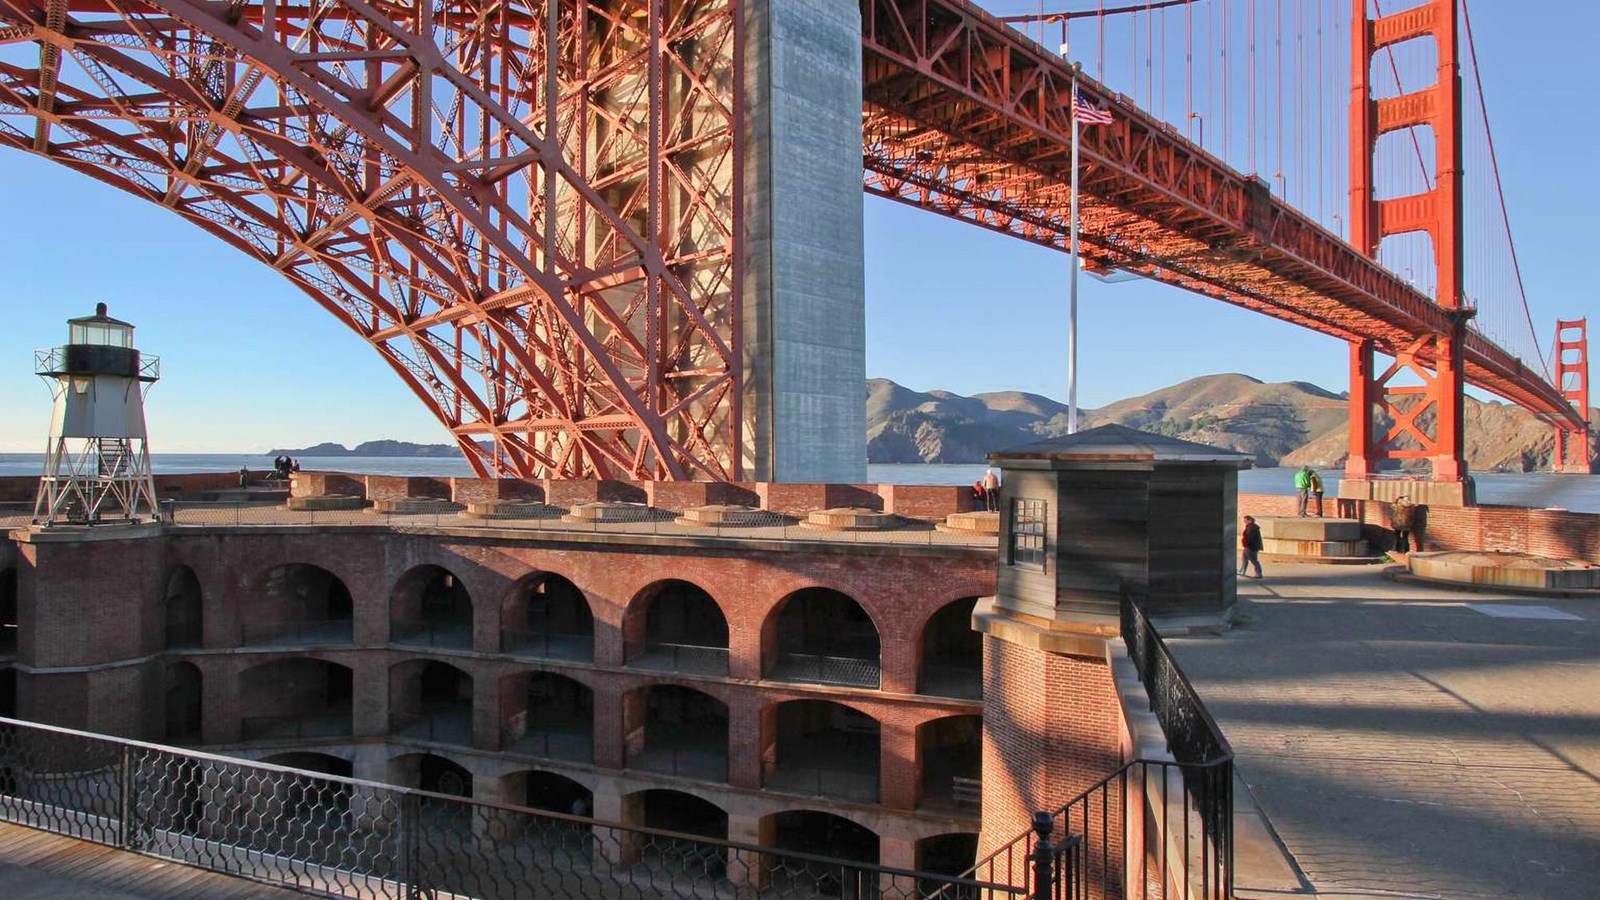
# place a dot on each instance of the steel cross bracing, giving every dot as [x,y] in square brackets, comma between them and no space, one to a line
[969,118]
[546,254]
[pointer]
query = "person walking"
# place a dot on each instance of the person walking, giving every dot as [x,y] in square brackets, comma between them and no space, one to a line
[1316,491]
[1302,489]
[1250,546]
[1403,518]
[991,490]
[244,476]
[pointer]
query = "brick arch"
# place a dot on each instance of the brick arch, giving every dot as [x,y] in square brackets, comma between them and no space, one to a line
[558,633]
[403,762]
[955,648]
[865,820]
[638,595]
[713,797]
[589,780]
[635,615]
[410,615]
[278,598]
[728,694]
[770,630]
[879,617]
[347,754]
[181,611]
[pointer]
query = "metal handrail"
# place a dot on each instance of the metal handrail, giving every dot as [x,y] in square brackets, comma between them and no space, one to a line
[347,837]
[1182,808]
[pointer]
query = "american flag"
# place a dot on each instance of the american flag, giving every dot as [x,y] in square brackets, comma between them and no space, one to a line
[1087,113]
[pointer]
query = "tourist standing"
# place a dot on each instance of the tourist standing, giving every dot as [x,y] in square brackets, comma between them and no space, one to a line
[1316,491]
[244,476]
[991,490]
[1250,545]
[1403,518]
[1302,489]
[979,496]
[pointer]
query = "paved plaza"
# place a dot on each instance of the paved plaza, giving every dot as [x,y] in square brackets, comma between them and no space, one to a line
[1409,741]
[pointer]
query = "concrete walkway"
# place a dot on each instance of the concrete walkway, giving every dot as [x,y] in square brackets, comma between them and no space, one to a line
[1408,741]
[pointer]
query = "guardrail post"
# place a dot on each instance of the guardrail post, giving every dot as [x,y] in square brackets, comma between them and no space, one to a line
[125,798]
[1043,858]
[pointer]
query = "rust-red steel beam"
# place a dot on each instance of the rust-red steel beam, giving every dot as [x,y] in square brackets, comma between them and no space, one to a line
[967,117]
[525,208]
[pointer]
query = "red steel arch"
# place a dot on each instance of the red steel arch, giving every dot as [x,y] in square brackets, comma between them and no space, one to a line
[550,255]
[544,254]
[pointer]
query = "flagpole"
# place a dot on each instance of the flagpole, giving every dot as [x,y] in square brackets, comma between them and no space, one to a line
[1072,277]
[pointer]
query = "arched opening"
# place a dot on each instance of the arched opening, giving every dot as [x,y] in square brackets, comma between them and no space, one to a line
[311,761]
[295,699]
[821,748]
[181,607]
[682,813]
[550,792]
[952,653]
[8,612]
[8,692]
[182,704]
[950,854]
[314,804]
[950,751]
[431,608]
[822,834]
[299,604]
[821,636]
[431,772]
[675,626]
[677,731]
[547,617]
[431,701]
[548,715]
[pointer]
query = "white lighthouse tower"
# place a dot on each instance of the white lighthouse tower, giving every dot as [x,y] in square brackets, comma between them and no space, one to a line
[97,464]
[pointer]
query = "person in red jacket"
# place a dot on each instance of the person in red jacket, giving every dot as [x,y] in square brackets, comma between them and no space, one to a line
[1250,542]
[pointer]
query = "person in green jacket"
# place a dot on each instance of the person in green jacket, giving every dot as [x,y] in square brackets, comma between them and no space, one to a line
[1302,488]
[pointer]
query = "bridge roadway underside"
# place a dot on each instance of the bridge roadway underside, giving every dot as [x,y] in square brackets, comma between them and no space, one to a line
[966,117]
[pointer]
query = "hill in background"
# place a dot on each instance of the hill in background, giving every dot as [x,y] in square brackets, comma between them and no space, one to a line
[1288,423]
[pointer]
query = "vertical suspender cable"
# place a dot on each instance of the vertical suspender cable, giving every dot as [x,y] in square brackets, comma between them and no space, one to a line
[1494,166]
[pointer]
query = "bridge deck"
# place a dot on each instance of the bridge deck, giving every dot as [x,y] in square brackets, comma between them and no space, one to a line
[38,864]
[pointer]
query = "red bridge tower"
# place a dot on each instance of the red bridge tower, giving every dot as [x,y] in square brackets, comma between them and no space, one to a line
[1435,359]
[1573,451]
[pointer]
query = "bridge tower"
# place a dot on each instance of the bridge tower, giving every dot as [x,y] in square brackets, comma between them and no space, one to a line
[1573,451]
[1436,360]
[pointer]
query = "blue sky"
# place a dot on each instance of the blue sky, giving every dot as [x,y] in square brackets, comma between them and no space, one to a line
[251,363]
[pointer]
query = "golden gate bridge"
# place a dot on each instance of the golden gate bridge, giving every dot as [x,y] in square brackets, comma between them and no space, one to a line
[547,217]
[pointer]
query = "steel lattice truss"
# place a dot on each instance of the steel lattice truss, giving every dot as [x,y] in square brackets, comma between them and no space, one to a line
[545,254]
[968,118]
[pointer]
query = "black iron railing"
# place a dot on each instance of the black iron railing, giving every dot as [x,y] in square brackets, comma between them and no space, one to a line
[1192,735]
[1153,828]
[347,838]
[314,725]
[317,631]
[850,671]
[547,644]
[686,659]
[423,633]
